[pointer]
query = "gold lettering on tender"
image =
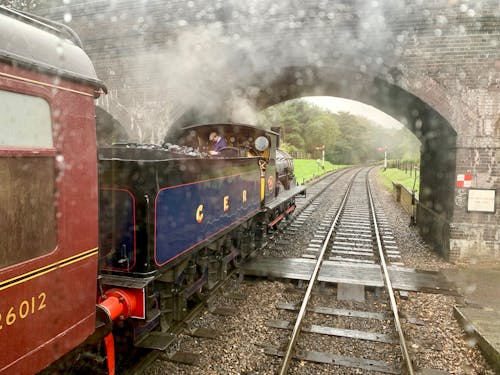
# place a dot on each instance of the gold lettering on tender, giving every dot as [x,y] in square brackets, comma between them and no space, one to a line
[226,203]
[244,194]
[199,213]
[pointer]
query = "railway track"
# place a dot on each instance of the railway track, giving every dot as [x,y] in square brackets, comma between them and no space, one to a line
[341,332]
[305,206]
[349,237]
[321,196]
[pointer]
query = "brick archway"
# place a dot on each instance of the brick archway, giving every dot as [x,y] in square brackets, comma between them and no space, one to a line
[161,59]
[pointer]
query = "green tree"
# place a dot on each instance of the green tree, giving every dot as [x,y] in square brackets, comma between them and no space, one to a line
[348,139]
[353,144]
[323,130]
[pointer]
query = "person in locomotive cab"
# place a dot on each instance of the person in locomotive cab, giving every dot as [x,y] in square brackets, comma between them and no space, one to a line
[219,143]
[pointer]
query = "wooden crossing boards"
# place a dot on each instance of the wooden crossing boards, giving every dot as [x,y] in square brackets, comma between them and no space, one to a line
[349,273]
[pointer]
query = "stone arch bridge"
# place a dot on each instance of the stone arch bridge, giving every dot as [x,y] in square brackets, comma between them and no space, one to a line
[434,65]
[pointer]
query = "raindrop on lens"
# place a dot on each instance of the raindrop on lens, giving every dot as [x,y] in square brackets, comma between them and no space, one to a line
[469,328]
[67,17]
[471,288]
[471,342]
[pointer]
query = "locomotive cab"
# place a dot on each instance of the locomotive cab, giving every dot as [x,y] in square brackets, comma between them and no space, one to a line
[242,140]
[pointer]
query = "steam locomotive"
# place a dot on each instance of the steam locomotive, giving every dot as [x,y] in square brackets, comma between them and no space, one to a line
[120,241]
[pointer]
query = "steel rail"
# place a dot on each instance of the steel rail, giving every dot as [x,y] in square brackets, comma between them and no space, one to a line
[335,175]
[139,367]
[388,284]
[287,358]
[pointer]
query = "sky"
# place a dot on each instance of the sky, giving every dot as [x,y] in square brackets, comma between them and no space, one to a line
[334,104]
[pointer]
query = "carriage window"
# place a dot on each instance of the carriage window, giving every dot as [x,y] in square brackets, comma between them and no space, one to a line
[27,200]
[24,121]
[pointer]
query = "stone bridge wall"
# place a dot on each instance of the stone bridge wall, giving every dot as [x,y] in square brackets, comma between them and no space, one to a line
[435,66]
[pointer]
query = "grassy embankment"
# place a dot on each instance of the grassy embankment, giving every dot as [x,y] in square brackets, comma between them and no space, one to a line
[307,169]
[394,174]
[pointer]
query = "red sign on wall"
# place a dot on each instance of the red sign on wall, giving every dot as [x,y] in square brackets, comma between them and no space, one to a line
[464,180]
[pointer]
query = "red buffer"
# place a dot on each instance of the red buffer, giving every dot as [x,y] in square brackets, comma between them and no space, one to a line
[119,304]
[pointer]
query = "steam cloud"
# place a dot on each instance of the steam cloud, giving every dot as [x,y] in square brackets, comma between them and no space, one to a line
[216,65]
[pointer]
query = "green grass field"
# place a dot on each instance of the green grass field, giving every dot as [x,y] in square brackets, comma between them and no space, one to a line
[307,169]
[394,174]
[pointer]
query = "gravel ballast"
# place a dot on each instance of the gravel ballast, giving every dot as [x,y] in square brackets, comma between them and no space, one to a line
[435,339]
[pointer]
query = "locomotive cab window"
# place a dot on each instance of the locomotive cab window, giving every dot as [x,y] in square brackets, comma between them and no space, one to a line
[27,172]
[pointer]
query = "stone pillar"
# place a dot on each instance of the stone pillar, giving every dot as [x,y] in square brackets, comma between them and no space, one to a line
[475,232]
[435,207]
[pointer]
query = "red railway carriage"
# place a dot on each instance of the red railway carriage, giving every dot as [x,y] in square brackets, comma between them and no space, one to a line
[48,193]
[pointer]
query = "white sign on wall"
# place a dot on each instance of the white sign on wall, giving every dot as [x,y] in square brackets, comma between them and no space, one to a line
[481,200]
